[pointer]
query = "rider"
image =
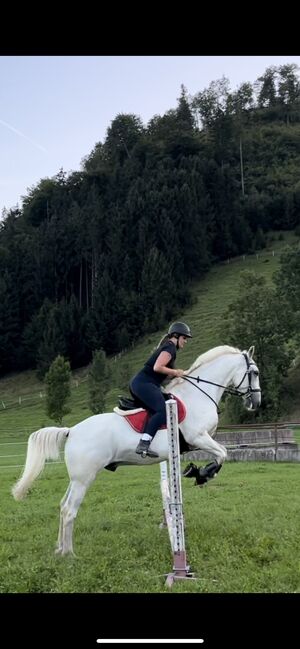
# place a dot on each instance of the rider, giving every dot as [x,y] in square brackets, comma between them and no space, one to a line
[146,385]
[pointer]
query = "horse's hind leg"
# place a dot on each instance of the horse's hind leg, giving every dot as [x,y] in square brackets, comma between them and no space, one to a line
[59,544]
[69,508]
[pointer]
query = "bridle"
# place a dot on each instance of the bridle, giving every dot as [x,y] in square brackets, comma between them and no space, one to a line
[235,391]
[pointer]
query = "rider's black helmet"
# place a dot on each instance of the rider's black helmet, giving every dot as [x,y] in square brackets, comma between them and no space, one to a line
[179,328]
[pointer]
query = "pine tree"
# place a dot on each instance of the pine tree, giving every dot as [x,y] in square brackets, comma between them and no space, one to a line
[58,390]
[98,381]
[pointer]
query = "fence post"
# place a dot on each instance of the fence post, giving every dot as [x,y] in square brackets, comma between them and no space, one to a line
[275,441]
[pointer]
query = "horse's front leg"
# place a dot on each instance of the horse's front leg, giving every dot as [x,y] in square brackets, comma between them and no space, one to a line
[204,442]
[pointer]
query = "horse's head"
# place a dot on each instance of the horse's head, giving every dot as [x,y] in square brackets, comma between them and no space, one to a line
[246,380]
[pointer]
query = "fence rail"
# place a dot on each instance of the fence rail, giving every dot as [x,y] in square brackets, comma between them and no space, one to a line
[21,466]
[32,399]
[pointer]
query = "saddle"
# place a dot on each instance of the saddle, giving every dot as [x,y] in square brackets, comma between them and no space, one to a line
[136,414]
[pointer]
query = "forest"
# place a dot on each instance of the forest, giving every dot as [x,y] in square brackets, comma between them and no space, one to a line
[99,257]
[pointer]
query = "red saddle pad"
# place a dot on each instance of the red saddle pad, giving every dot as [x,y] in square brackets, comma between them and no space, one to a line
[138,420]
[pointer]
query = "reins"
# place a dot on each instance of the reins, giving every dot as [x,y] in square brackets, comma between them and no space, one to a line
[234,391]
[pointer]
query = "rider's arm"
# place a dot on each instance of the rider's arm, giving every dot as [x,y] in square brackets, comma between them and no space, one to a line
[161,363]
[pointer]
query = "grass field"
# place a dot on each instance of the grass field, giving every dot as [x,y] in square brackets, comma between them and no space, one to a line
[242,533]
[242,528]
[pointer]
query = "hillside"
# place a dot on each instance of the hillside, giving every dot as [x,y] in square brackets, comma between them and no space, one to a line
[22,405]
[206,181]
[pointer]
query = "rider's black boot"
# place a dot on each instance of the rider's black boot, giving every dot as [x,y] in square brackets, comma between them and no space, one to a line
[143,448]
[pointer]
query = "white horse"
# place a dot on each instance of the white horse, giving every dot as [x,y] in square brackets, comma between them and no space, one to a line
[107,439]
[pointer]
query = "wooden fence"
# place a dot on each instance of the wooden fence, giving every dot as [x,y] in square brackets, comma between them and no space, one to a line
[272,442]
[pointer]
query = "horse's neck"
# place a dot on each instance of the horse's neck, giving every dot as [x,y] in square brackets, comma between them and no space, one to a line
[219,371]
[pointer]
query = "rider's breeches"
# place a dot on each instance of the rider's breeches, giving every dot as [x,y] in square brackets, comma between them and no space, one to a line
[150,394]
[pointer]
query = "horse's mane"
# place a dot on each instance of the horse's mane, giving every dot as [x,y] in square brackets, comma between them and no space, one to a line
[207,357]
[213,353]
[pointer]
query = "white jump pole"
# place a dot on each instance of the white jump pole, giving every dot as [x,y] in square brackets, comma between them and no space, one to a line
[172,499]
[165,492]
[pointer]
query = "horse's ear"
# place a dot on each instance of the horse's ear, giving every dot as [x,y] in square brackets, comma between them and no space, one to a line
[251,351]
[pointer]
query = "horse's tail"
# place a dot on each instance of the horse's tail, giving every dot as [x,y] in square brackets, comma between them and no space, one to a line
[43,445]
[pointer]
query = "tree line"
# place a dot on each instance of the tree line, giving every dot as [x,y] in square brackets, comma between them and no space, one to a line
[97,258]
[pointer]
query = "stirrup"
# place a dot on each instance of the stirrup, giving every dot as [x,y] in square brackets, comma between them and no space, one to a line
[143,449]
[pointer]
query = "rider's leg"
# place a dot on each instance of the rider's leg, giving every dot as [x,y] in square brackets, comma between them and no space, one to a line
[152,397]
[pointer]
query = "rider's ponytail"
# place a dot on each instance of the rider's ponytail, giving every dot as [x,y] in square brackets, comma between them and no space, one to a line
[163,340]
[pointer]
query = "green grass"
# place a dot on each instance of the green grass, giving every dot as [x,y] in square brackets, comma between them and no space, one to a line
[242,533]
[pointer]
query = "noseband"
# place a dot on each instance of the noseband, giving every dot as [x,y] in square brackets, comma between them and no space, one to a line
[235,391]
[248,373]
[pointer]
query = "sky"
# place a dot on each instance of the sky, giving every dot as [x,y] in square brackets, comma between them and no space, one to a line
[54,109]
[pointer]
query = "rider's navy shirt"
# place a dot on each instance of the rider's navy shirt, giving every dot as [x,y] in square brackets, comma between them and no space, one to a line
[158,377]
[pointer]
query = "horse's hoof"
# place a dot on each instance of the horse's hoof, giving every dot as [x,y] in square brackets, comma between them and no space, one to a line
[65,553]
[207,472]
[201,481]
[190,470]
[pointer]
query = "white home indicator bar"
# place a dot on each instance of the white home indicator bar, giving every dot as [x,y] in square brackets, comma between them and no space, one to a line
[150,641]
